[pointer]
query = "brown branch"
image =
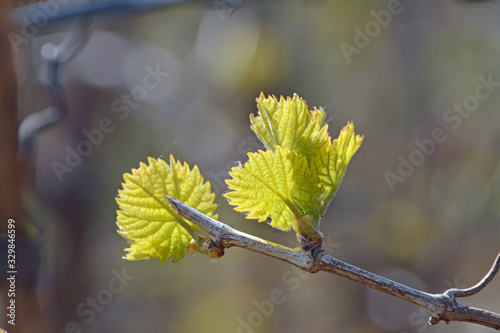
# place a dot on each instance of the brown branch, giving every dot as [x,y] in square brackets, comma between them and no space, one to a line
[441,307]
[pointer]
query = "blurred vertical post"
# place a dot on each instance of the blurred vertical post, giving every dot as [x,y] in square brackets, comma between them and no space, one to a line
[10,206]
[28,313]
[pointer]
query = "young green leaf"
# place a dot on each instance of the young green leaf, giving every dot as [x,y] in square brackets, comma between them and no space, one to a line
[279,184]
[289,123]
[333,159]
[147,220]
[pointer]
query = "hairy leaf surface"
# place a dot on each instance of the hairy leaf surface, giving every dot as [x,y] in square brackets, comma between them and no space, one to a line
[279,184]
[289,123]
[333,159]
[152,228]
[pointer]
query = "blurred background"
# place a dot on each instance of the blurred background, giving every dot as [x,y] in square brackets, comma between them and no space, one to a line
[419,203]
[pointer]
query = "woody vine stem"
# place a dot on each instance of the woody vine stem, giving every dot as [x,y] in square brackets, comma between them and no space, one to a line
[313,258]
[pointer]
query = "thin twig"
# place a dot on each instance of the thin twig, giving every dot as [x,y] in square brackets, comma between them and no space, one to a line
[227,237]
[441,307]
[478,287]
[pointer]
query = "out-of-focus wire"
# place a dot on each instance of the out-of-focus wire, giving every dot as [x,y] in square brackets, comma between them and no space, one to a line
[42,13]
[53,57]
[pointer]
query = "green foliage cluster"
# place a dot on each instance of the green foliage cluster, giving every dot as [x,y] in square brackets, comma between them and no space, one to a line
[292,182]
